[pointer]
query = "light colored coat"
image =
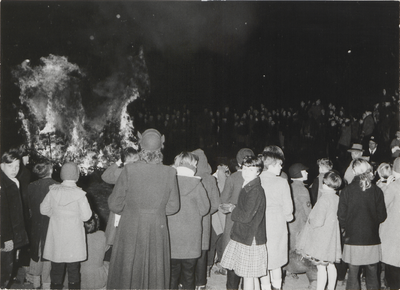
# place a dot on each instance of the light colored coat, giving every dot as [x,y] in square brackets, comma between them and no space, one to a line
[389,230]
[67,206]
[320,237]
[278,213]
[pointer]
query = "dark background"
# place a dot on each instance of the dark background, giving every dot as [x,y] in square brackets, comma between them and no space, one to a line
[207,54]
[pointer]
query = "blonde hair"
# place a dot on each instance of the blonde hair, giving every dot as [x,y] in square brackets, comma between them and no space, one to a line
[186,158]
[384,170]
[325,162]
[363,169]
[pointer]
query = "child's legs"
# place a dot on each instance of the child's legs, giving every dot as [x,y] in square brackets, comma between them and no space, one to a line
[265,282]
[332,275]
[353,279]
[57,273]
[187,273]
[74,275]
[175,273]
[250,283]
[321,277]
[276,278]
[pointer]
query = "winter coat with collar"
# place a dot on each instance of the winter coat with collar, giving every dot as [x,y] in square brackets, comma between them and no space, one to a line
[37,191]
[210,185]
[185,227]
[249,215]
[390,229]
[12,218]
[67,206]
[360,213]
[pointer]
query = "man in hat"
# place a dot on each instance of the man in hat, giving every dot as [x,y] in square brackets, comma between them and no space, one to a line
[356,152]
[395,145]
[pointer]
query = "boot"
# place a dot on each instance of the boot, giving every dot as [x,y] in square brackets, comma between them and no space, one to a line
[56,286]
[74,285]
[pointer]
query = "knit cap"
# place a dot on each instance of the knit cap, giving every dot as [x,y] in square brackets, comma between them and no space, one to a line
[69,171]
[396,165]
[296,169]
[151,140]
[244,152]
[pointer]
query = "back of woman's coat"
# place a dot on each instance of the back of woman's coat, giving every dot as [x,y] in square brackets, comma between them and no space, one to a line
[67,206]
[143,195]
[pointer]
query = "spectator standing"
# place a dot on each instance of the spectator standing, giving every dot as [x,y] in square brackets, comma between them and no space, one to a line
[324,166]
[356,152]
[395,146]
[390,230]
[279,212]
[13,234]
[144,194]
[65,246]
[361,211]
[210,184]
[37,191]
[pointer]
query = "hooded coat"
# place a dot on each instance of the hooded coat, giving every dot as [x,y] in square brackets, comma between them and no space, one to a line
[185,227]
[210,185]
[67,206]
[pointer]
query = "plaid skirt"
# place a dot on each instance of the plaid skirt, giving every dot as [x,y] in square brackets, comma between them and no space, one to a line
[246,261]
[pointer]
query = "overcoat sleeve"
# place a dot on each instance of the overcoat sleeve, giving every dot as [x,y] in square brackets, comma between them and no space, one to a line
[380,205]
[84,208]
[228,189]
[287,205]
[173,203]
[342,209]
[203,203]
[45,206]
[318,214]
[213,195]
[116,200]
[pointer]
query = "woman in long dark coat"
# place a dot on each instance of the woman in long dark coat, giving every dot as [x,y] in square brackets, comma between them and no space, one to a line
[144,194]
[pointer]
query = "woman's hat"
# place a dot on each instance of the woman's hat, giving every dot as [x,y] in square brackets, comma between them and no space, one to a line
[151,140]
[69,171]
[242,154]
[356,148]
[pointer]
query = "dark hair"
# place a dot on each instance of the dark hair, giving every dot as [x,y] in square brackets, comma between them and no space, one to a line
[273,152]
[43,168]
[128,152]
[333,180]
[253,161]
[93,224]
[10,156]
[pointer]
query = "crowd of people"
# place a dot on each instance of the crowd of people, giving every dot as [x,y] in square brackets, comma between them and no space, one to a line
[171,221]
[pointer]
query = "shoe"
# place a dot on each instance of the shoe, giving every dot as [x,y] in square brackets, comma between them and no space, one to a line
[74,285]
[202,287]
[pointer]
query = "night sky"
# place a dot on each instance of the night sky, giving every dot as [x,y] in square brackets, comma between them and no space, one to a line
[212,53]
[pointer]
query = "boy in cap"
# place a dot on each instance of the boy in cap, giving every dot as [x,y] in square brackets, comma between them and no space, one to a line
[67,206]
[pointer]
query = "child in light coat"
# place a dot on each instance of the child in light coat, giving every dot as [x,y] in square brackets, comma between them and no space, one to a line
[319,241]
[67,206]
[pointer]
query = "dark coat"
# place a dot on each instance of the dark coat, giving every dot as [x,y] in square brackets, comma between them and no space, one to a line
[143,195]
[37,191]
[12,220]
[360,213]
[249,215]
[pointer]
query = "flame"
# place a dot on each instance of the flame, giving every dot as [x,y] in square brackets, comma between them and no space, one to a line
[58,126]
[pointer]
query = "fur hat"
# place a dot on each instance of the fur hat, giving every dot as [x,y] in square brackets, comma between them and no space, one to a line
[151,140]
[242,154]
[69,171]
[356,148]
[296,169]
[396,165]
